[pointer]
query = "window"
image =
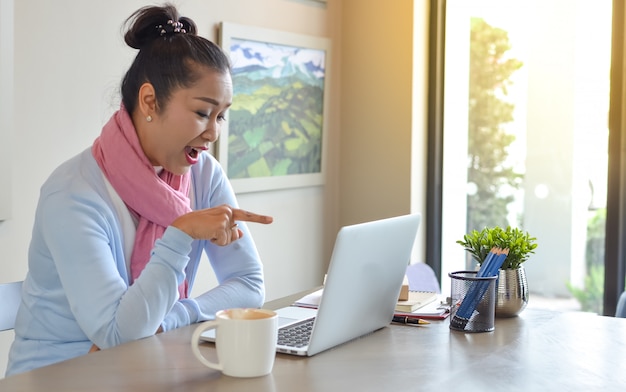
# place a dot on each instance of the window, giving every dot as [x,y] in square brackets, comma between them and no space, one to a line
[523,106]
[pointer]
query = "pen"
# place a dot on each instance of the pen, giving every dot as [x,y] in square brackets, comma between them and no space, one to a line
[408,320]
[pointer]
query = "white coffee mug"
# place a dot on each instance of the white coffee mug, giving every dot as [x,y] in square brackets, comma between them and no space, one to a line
[245,340]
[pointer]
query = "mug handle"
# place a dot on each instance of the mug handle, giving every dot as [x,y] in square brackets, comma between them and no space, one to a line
[195,340]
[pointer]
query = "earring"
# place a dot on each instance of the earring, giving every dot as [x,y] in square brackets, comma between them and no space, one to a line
[149,118]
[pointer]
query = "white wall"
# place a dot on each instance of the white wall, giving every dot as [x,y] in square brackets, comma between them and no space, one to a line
[70,58]
[6,108]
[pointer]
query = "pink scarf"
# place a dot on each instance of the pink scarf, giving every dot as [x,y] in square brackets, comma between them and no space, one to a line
[156,200]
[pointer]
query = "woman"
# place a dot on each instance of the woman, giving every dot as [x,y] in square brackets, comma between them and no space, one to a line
[120,228]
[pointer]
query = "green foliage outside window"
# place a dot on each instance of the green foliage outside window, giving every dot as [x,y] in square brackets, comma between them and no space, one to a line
[591,295]
[488,142]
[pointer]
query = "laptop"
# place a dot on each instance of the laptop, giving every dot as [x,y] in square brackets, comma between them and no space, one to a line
[363,282]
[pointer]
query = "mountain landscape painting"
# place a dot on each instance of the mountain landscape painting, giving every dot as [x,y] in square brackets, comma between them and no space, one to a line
[276,121]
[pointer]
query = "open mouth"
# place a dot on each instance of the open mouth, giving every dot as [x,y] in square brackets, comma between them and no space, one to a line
[192,152]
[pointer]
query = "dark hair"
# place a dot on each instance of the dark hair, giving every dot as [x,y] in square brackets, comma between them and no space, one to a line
[169,55]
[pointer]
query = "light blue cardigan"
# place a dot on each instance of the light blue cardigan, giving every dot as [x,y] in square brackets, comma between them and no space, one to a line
[76,292]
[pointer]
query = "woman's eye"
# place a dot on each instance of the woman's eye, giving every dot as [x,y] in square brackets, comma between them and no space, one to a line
[202,114]
[221,117]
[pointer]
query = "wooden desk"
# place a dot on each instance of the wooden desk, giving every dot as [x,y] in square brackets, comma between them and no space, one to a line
[537,351]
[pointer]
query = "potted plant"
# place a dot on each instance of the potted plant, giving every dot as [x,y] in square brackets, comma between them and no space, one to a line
[512,289]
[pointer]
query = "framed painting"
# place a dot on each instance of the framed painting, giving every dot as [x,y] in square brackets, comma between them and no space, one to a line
[274,134]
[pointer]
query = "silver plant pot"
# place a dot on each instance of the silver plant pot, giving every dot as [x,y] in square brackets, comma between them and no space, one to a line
[512,292]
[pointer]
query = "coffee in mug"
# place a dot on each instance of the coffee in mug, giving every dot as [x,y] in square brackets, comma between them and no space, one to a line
[245,340]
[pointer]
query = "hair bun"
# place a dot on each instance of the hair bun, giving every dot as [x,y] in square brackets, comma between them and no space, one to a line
[150,23]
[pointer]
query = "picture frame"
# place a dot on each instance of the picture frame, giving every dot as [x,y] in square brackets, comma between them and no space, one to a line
[274,135]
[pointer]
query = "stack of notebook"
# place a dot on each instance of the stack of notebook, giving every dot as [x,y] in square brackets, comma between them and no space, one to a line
[416,300]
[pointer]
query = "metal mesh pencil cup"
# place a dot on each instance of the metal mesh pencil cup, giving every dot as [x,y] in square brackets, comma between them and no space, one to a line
[473,302]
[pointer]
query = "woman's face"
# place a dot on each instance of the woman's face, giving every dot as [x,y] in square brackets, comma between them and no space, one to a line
[192,119]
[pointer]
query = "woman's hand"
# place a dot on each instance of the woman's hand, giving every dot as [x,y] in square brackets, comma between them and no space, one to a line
[218,224]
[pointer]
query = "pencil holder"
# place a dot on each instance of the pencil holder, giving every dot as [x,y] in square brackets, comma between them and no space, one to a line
[473,302]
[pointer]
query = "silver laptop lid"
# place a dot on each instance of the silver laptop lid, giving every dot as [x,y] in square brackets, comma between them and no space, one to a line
[365,275]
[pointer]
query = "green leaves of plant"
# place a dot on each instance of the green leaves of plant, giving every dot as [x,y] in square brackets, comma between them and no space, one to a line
[520,244]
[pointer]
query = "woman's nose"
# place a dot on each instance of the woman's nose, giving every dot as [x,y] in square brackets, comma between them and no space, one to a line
[212,132]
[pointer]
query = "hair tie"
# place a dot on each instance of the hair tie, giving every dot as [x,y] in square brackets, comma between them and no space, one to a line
[172,27]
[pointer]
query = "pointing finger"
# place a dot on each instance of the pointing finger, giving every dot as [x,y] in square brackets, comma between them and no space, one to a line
[247,216]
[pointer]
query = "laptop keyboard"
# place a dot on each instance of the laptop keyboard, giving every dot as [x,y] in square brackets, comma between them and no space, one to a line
[296,335]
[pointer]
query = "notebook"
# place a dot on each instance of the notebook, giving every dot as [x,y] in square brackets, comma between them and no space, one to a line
[366,269]
[417,299]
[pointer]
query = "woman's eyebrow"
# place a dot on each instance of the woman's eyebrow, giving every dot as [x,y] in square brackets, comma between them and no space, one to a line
[207,99]
[212,101]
